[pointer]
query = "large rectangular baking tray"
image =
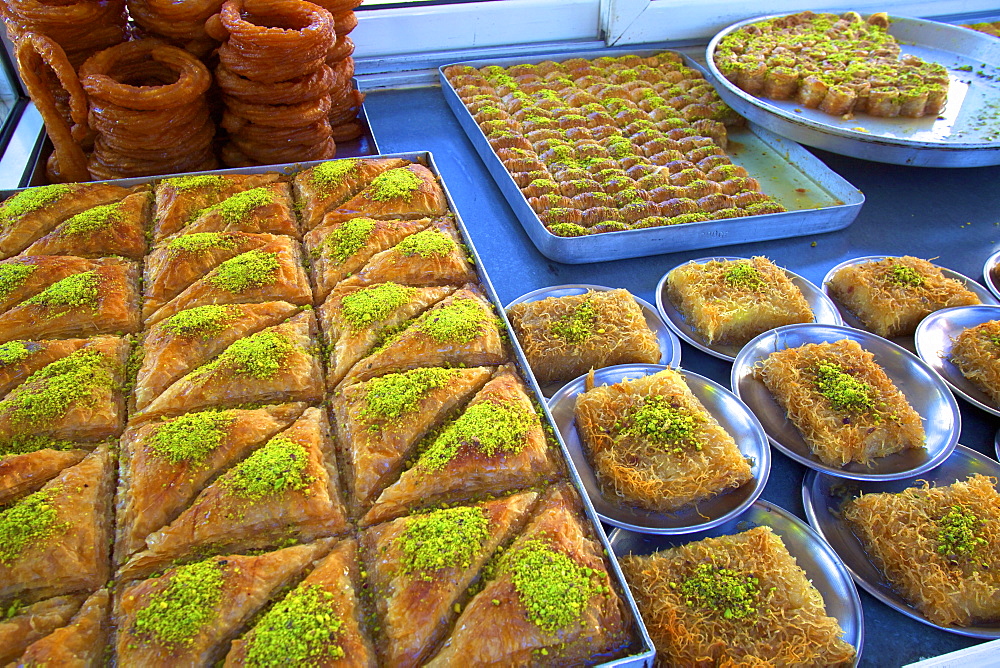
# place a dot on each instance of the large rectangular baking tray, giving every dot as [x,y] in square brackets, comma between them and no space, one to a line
[966,134]
[642,649]
[818,200]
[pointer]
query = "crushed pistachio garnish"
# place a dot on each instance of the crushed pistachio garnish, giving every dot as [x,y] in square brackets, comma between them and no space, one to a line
[958,534]
[427,243]
[199,242]
[665,424]
[348,238]
[300,630]
[185,183]
[576,326]
[489,427]
[276,467]
[331,174]
[190,437]
[458,322]
[744,276]
[399,183]
[13,352]
[722,589]
[204,321]
[902,275]
[22,445]
[259,355]
[553,588]
[13,276]
[30,520]
[252,269]
[30,200]
[844,391]
[76,291]
[49,392]
[374,303]
[236,208]
[91,220]
[446,538]
[189,602]
[389,396]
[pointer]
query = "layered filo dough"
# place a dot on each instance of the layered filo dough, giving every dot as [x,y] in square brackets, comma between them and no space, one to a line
[118,228]
[179,200]
[21,358]
[35,621]
[23,472]
[266,208]
[326,186]
[25,276]
[82,643]
[401,192]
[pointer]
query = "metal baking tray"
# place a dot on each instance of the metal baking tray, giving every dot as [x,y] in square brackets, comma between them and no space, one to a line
[818,200]
[641,648]
[966,134]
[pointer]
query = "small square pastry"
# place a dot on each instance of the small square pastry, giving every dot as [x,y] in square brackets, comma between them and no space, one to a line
[732,301]
[891,296]
[653,444]
[975,353]
[328,185]
[842,402]
[565,337]
[938,546]
[179,199]
[118,228]
[739,599]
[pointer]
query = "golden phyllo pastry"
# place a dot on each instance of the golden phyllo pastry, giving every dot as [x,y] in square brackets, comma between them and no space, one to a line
[938,546]
[974,352]
[328,185]
[842,402]
[734,600]
[549,598]
[28,463]
[732,301]
[19,358]
[403,192]
[564,337]
[179,200]
[118,228]
[653,444]
[891,296]
[422,566]
[35,621]
[80,644]
[265,209]
[26,276]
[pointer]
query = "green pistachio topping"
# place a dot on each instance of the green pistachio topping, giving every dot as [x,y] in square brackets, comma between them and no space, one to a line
[902,275]
[427,243]
[235,209]
[660,421]
[458,322]
[721,589]
[844,391]
[13,352]
[744,276]
[76,291]
[202,321]
[185,183]
[330,174]
[958,533]
[259,355]
[92,220]
[252,269]
[446,538]
[49,392]
[277,467]
[349,238]
[300,630]
[199,242]
[13,276]
[489,427]
[30,200]
[186,605]
[375,303]
[22,445]
[553,588]
[190,437]
[568,230]
[30,520]
[399,183]
[389,396]
[576,326]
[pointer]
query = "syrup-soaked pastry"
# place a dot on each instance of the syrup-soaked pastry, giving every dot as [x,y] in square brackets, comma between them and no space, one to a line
[166,463]
[178,200]
[188,615]
[57,541]
[379,422]
[422,566]
[287,487]
[35,621]
[328,185]
[319,623]
[354,318]
[403,192]
[118,228]
[25,276]
[434,256]
[266,208]
[277,364]
[183,342]
[80,644]
[24,468]
[19,359]
[551,599]
[495,445]
[34,212]
[341,247]
[460,330]
[180,261]
[76,398]
[272,272]
[104,300]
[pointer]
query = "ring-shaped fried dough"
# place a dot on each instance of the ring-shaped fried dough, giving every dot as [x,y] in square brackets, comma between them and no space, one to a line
[283,24]
[348,131]
[215,29]
[292,153]
[279,115]
[268,70]
[292,91]
[345,23]
[317,132]
[338,6]
[343,48]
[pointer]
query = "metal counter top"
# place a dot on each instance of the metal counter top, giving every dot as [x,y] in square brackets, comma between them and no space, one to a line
[952,215]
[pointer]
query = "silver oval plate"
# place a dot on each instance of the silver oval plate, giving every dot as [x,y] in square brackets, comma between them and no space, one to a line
[990,273]
[732,415]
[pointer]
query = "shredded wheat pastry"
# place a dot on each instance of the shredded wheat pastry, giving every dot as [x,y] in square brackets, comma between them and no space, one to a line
[975,354]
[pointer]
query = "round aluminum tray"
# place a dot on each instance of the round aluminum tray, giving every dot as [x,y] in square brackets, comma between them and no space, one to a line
[822,307]
[823,495]
[923,388]
[967,134]
[731,413]
[990,273]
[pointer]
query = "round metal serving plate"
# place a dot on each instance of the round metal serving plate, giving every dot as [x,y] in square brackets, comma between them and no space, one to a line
[822,565]
[923,388]
[934,339]
[907,342]
[823,495]
[991,267]
[670,345]
[732,415]
[996,443]
[824,310]
[966,134]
